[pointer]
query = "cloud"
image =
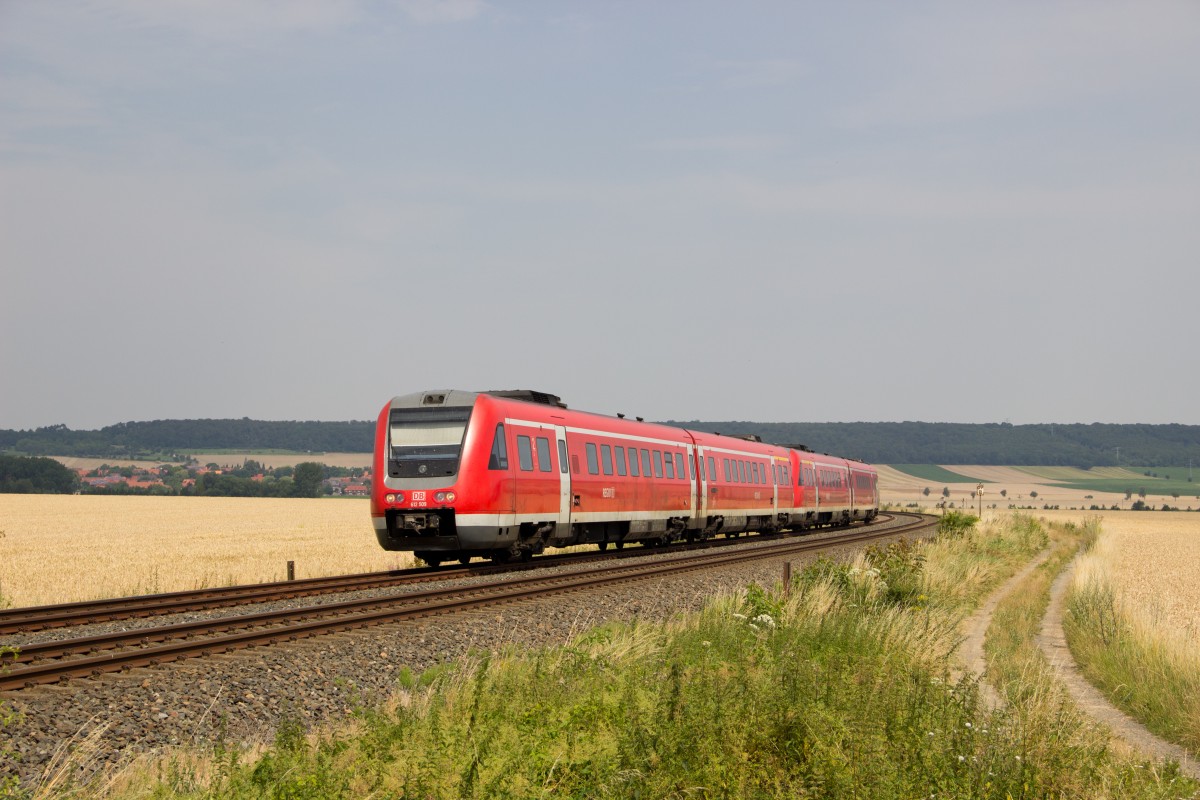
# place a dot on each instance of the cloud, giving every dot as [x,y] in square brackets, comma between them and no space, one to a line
[760,73]
[719,144]
[441,11]
[955,63]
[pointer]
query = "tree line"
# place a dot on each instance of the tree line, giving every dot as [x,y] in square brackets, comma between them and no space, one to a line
[1073,445]
[1077,445]
[41,475]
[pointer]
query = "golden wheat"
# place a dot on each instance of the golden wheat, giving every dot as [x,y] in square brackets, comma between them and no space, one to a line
[62,548]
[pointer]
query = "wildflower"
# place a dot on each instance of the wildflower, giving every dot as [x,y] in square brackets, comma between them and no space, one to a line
[765,620]
[962,759]
[706,644]
[968,724]
[739,617]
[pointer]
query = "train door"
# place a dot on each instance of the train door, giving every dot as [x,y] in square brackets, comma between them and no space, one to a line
[564,480]
[692,477]
[704,479]
[810,499]
[774,486]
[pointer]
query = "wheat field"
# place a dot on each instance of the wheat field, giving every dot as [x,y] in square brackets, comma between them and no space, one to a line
[63,548]
[1154,561]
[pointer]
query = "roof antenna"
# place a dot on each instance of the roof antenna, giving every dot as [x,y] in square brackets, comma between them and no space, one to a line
[620,415]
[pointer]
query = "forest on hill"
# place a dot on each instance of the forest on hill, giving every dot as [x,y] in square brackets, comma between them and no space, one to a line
[1076,445]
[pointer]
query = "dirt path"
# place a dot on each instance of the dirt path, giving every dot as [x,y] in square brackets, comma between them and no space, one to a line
[1053,644]
[1090,700]
[978,623]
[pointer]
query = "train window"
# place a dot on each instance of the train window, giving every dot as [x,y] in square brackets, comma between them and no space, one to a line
[562,456]
[742,464]
[499,457]
[670,470]
[679,466]
[646,462]
[593,462]
[725,463]
[543,446]
[658,471]
[524,453]
[701,460]
[606,458]
[620,460]
[755,476]
[712,469]
[633,462]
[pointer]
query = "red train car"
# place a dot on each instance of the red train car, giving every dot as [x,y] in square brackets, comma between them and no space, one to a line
[507,474]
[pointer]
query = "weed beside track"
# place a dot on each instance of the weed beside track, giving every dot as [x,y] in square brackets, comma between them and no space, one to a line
[840,687]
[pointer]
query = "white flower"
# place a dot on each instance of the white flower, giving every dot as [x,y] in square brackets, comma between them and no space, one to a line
[968,724]
[765,620]
[962,759]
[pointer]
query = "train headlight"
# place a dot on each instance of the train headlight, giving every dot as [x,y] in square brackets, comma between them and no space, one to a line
[398,497]
[444,497]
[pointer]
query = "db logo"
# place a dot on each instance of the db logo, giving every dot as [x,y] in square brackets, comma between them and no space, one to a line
[418,497]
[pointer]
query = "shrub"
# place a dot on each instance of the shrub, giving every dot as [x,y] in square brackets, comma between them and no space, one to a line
[954,524]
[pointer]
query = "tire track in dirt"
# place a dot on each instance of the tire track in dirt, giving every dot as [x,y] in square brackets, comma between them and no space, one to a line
[1053,643]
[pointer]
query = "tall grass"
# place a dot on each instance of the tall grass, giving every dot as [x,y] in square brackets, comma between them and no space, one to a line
[1149,669]
[842,687]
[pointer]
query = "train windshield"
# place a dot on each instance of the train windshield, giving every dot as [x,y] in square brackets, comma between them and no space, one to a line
[426,442]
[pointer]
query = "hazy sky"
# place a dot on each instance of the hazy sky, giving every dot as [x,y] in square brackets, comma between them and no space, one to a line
[774,211]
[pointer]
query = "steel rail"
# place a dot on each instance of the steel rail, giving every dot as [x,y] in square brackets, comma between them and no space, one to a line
[34,618]
[361,613]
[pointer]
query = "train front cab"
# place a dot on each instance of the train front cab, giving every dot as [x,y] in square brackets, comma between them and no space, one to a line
[445,488]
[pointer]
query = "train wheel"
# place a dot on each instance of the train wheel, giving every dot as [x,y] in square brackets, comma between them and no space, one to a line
[620,545]
[603,546]
[464,560]
[501,556]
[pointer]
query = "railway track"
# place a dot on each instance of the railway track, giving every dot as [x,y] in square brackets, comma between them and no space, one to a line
[94,655]
[36,618]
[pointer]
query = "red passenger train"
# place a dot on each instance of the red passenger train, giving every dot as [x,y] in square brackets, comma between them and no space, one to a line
[506,474]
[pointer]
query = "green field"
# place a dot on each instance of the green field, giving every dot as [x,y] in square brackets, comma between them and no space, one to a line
[934,473]
[1153,486]
[1059,474]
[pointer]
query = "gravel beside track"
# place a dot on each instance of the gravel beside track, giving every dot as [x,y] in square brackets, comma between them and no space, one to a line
[245,695]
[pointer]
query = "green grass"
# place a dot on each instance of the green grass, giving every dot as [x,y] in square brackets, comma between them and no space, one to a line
[934,473]
[1156,487]
[843,688]
[1058,474]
